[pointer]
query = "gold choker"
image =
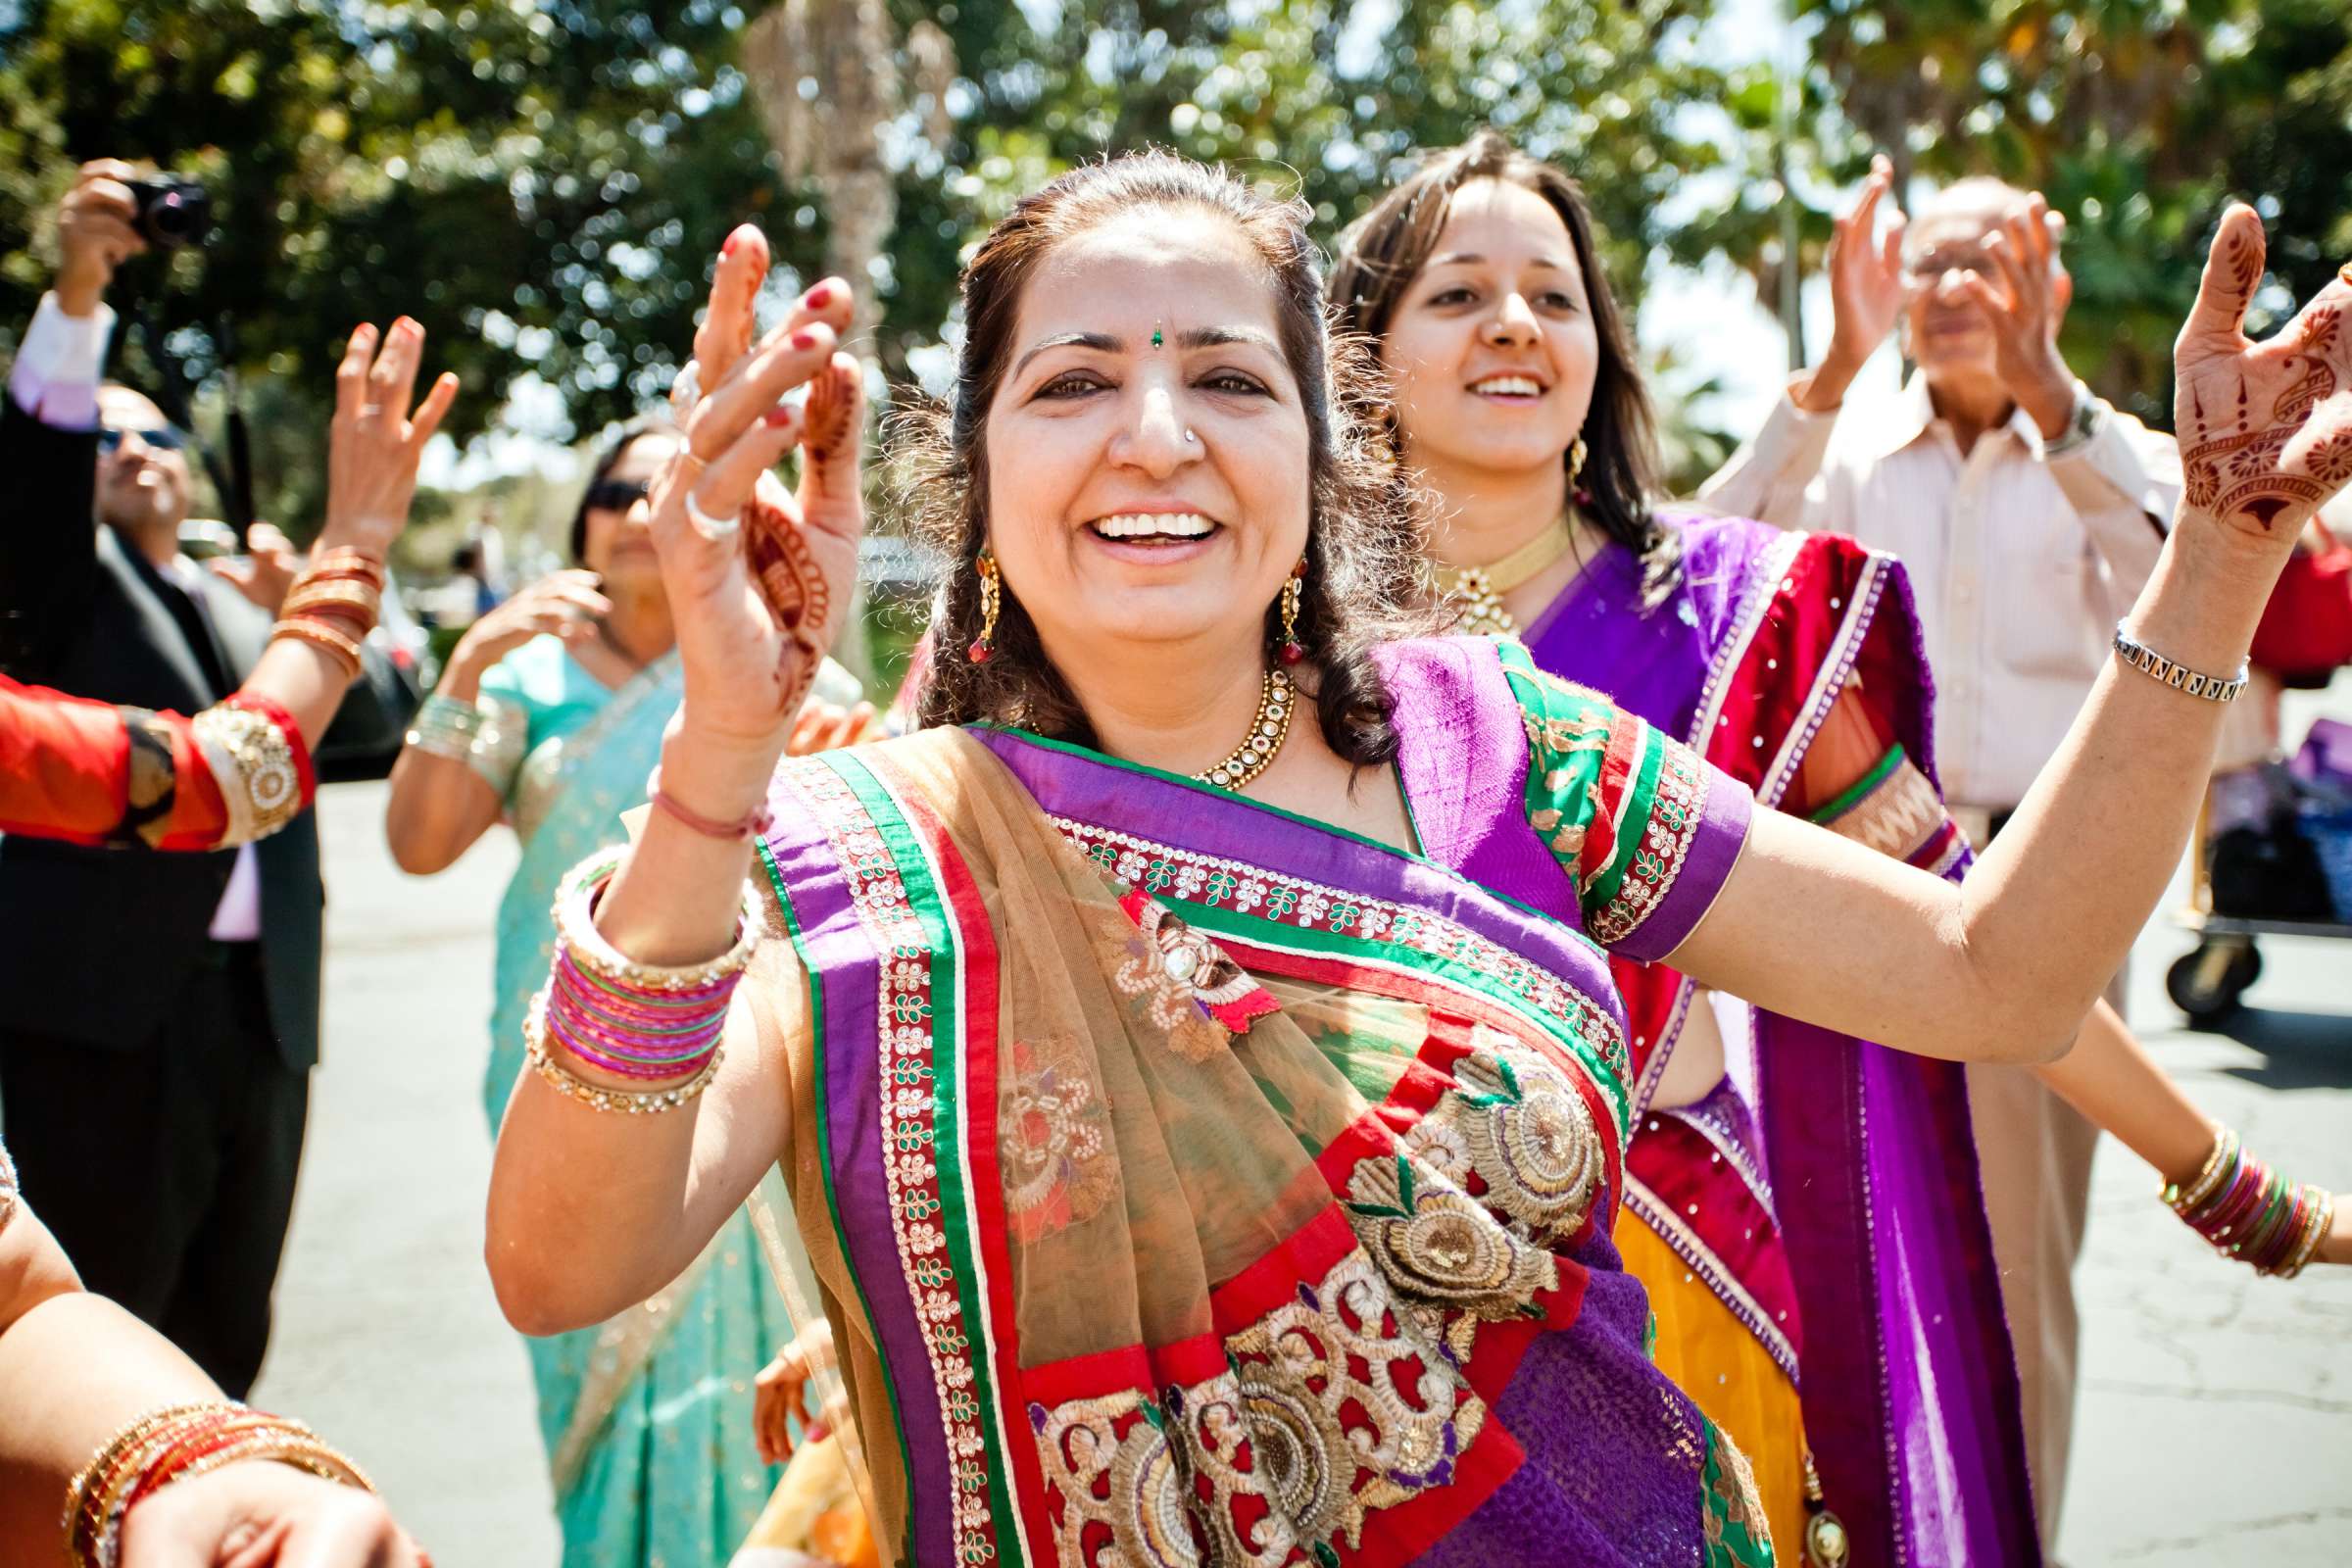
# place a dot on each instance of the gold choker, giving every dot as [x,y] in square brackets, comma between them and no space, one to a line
[1479,590]
[1266,732]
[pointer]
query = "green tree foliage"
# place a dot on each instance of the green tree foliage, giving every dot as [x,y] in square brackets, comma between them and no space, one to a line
[2140,119]
[540,186]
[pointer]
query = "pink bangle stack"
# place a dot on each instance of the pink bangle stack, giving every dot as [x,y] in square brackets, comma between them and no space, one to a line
[654,1025]
[631,1031]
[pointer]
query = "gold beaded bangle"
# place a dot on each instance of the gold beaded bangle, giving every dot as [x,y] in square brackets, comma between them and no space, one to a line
[575,929]
[595,1097]
[346,649]
[2210,1175]
[88,1494]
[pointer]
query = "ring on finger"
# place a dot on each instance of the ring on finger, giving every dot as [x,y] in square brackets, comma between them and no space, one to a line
[710,528]
[687,389]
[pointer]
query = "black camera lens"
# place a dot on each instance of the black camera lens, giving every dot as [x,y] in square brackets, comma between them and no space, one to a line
[172,212]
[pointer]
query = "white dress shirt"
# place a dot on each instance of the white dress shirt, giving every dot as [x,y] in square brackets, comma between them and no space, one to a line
[2021,563]
[54,379]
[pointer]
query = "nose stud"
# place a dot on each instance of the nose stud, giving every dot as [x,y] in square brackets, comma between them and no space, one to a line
[1191,440]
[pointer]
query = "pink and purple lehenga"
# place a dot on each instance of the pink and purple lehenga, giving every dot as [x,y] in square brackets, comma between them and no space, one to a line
[1825,1192]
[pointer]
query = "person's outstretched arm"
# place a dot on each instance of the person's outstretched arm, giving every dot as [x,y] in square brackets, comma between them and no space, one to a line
[75,1370]
[2005,966]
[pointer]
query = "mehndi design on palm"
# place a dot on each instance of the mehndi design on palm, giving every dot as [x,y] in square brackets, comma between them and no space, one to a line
[2264,428]
[759,572]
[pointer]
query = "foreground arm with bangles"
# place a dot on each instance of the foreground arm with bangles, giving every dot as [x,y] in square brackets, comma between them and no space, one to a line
[103,1421]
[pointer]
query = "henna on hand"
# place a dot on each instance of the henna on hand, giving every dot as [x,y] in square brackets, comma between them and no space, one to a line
[2231,466]
[793,587]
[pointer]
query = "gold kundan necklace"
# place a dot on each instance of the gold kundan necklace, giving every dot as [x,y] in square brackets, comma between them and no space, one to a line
[1266,732]
[1478,590]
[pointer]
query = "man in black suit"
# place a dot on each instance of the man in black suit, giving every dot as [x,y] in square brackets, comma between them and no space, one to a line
[162,1013]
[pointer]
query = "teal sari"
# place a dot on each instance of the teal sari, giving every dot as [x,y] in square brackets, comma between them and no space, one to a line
[648,1417]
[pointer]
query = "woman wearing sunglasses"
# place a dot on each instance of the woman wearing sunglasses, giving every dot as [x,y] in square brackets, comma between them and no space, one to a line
[549,716]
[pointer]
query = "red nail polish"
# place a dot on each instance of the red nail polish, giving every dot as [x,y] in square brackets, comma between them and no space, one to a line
[732,240]
[776,417]
[820,296]
[803,339]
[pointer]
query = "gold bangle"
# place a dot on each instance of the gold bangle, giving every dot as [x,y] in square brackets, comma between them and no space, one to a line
[89,1495]
[595,1097]
[347,559]
[575,929]
[346,649]
[2209,1177]
[355,601]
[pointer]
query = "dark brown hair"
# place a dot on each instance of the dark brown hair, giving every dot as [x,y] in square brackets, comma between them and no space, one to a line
[1364,572]
[1383,253]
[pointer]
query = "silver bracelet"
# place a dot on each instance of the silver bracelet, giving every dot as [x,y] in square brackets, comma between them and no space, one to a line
[2149,662]
[446,727]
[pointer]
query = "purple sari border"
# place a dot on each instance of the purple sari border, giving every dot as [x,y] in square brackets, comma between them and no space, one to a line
[1726,815]
[840,951]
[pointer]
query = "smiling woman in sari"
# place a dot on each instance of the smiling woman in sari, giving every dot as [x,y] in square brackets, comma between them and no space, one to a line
[1766,1152]
[1192,1053]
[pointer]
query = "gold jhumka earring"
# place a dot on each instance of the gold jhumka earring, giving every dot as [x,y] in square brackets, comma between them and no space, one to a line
[1291,652]
[990,591]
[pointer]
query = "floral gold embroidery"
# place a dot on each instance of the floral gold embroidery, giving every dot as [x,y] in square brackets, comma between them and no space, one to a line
[1054,1140]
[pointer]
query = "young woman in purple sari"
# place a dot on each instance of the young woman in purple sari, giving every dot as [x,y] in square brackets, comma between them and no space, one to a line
[1207,1152]
[1767,1152]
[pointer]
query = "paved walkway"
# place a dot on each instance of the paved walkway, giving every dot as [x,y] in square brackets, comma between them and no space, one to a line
[2217,1419]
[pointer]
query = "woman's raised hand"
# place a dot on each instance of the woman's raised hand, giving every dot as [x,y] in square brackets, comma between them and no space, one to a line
[758,579]
[376,440]
[2264,428]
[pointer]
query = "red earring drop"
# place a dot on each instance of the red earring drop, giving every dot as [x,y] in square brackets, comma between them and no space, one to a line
[1291,652]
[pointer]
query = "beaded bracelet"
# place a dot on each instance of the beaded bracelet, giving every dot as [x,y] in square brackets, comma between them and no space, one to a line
[576,928]
[2249,1212]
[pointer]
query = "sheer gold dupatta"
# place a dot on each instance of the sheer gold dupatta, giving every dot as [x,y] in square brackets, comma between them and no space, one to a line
[1135,1254]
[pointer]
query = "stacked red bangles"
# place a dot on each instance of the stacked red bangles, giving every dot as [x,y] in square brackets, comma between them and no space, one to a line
[173,1444]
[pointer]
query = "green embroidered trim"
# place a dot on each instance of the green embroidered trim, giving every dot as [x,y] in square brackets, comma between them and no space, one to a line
[904,912]
[1739,1535]
[1543,1000]
[977,1406]
[1633,829]
[1880,770]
